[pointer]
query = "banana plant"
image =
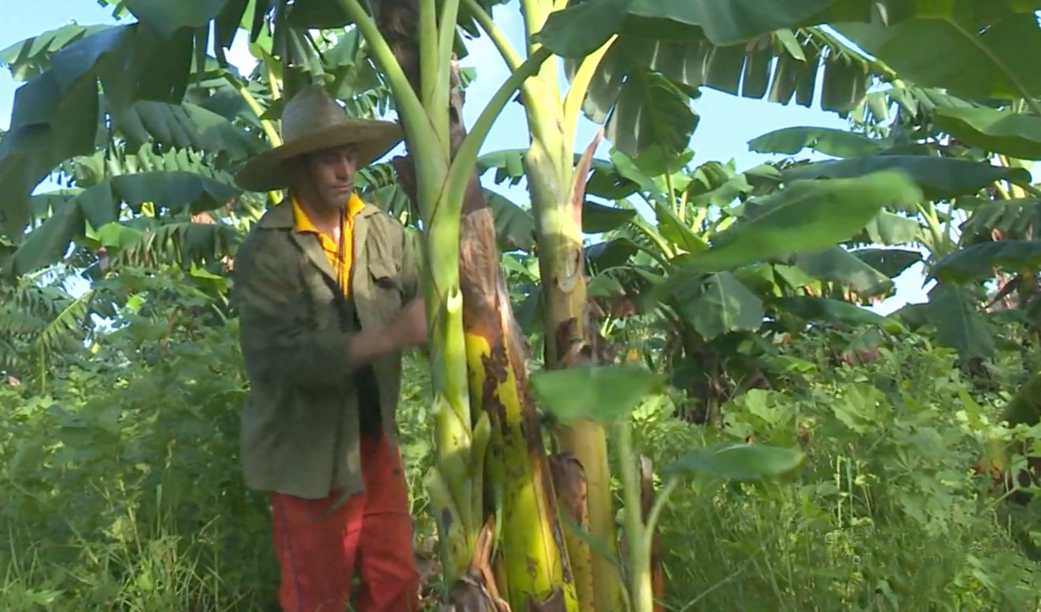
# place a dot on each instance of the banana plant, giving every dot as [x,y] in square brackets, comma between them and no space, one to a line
[160,45]
[971,156]
[614,78]
[169,39]
[478,356]
[607,394]
[713,324]
[41,320]
[182,152]
[472,324]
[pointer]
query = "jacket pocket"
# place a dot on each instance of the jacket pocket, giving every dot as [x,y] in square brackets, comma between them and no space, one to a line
[386,288]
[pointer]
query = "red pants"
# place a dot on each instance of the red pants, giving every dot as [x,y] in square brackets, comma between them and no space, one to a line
[371,532]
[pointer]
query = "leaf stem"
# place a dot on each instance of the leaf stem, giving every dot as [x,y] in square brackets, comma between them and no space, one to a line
[431,74]
[447,28]
[639,551]
[653,236]
[659,504]
[933,222]
[535,13]
[576,93]
[265,124]
[431,160]
[273,81]
[254,105]
[534,105]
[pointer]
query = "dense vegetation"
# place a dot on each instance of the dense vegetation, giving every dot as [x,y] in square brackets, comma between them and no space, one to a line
[805,452]
[121,486]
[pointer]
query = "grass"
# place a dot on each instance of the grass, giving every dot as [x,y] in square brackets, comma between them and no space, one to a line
[121,491]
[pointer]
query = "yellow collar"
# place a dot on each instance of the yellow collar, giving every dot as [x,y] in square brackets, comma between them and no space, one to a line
[303,223]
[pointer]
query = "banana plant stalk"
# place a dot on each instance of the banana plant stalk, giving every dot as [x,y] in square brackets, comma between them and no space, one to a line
[557,191]
[478,355]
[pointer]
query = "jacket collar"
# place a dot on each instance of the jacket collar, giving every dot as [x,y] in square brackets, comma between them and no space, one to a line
[280,217]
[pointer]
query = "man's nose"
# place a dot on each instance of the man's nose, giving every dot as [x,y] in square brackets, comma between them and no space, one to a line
[344,166]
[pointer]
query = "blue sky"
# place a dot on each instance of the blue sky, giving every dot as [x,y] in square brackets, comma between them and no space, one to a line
[727,122]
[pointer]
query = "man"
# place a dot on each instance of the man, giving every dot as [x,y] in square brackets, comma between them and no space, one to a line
[326,288]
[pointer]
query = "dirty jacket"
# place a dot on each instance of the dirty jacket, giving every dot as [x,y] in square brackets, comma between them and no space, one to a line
[300,424]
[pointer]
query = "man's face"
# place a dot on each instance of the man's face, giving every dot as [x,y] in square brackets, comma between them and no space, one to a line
[332,174]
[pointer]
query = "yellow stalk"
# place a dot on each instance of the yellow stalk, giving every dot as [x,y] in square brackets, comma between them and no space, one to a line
[531,550]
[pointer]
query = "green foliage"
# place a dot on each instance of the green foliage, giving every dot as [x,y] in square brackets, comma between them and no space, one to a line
[120,475]
[939,177]
[885,513]
[739,462]
[972,55]
[806,216]
[603,393]
[122,489]
[980,260]
[118,468]
[829,141]
[100,205]
[989,129]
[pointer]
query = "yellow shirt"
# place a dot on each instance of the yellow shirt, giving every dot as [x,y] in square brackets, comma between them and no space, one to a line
[341,261]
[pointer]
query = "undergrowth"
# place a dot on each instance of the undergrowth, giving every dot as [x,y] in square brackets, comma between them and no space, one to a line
[121,488]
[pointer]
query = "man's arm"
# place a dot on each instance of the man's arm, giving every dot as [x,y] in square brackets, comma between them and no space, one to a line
[280,337]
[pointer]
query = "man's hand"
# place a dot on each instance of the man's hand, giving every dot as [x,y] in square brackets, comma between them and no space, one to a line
[407,330]
[410,325]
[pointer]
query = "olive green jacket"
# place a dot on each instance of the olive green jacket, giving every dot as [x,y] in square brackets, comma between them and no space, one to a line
[300,424]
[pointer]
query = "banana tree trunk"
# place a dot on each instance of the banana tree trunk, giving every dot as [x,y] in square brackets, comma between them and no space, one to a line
[557,195]
[557,191]
[572,489]
[533,568]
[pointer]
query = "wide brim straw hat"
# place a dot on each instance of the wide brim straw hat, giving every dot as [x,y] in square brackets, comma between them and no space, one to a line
[312,121]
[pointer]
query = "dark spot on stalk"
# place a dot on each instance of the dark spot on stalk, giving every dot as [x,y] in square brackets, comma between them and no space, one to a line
[565,561]
[495,365]
[398,21]
[446,519]
[565,337]
[569,484]
[553,603]
[552,467]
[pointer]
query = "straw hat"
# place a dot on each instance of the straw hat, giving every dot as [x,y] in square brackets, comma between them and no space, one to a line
[312,121]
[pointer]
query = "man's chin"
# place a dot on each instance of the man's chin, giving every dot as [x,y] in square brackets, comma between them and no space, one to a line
[338,199]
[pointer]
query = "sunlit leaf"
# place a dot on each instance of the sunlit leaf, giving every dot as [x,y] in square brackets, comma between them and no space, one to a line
[829,141]
[602,393]
[745,462]
[1007,133]
[806,216]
